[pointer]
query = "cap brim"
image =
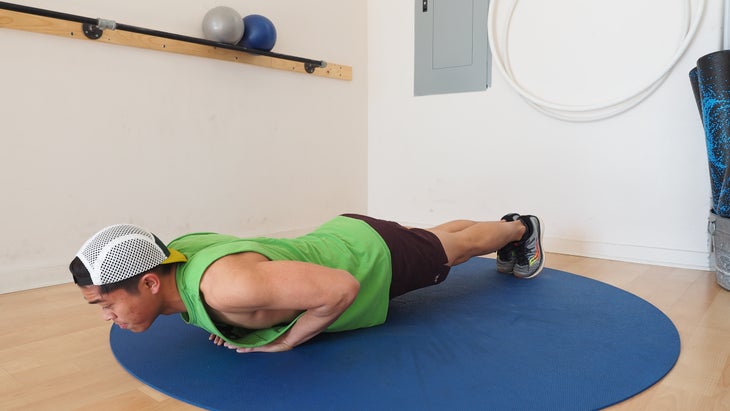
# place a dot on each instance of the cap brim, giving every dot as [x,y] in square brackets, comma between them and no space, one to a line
[175,257]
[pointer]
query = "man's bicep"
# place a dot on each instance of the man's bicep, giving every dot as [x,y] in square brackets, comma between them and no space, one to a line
[299,285]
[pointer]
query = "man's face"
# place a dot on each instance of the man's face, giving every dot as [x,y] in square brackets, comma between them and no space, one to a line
[129,311]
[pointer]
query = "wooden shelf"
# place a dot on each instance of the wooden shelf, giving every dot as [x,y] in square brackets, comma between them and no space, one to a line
[71,29]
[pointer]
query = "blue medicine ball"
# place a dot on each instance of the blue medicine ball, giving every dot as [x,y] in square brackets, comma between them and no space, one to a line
[259,33]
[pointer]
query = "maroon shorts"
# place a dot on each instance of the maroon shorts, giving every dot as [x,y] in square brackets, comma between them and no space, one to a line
[417,256]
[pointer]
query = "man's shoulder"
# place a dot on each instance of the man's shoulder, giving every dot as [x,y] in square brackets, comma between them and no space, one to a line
[230,273]
[199,240]
[246,260]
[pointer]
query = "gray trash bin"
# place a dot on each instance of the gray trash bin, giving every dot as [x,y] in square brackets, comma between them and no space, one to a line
[719,229]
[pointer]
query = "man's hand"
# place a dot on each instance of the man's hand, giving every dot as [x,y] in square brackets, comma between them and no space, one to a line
[277,345]
[217,340]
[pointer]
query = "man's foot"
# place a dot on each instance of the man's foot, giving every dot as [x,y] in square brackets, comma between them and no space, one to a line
[529,258]
[507,254]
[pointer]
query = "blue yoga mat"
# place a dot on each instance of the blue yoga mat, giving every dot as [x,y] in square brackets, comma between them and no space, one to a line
[479,341]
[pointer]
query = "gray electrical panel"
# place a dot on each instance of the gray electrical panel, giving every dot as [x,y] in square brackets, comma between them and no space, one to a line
[451,46]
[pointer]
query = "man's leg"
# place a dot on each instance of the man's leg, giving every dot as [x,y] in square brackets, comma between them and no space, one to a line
[480,238]
[477,239]
[454,226]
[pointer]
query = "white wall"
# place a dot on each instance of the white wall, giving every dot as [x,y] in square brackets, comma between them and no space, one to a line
[96,134]
[634,187]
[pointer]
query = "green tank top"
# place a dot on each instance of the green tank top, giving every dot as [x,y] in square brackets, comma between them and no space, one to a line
[343,243]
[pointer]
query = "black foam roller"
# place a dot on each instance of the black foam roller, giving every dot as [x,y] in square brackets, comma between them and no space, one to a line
[713,96]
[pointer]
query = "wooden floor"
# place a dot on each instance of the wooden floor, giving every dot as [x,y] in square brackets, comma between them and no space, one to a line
[54,349]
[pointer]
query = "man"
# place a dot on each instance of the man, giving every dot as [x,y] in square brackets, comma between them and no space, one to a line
[268,295]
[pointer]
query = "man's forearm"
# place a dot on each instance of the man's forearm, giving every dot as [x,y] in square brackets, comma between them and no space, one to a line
[315,320]
[310,324]
[307,327]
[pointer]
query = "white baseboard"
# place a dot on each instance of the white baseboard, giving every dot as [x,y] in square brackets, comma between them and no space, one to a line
[698,260]
[26,278]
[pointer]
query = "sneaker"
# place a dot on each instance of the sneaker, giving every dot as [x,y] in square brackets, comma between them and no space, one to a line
[529,259]
[507,254]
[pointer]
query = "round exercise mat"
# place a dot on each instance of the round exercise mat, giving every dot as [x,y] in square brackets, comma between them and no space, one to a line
[479,341]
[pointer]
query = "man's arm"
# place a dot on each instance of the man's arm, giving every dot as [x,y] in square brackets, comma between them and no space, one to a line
[234,286]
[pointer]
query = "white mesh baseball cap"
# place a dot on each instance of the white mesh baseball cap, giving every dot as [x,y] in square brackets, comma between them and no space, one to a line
[119,252]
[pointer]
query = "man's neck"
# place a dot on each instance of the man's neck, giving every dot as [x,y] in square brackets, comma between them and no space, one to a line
[172,303]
